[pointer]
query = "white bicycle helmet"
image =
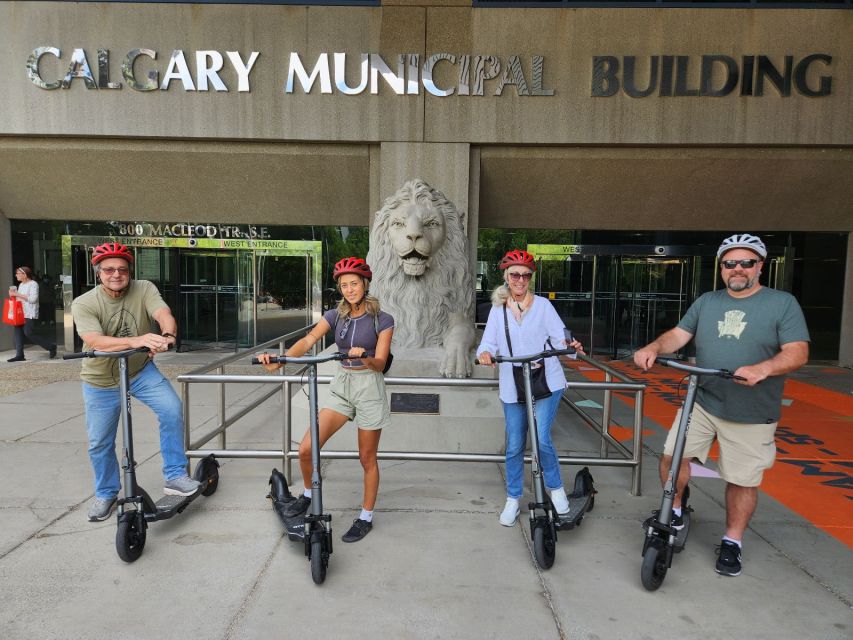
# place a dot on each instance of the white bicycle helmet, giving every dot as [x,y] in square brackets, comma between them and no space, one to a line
[743,241]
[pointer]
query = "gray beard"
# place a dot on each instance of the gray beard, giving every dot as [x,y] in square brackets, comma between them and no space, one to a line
[739,286]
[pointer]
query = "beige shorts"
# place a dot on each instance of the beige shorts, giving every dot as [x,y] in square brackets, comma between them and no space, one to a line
[360,396]
[746,450]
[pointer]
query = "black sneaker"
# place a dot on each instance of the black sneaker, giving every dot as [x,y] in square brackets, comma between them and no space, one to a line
[297,507]
[357,531]
[677,522]
[728,563]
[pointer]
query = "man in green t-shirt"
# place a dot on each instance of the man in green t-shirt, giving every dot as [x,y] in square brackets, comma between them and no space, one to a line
[761,335]
[116,315]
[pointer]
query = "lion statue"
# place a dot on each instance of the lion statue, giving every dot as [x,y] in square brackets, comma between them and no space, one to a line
[419,256]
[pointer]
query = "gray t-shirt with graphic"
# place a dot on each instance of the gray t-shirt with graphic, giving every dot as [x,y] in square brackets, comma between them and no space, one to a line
[733,332]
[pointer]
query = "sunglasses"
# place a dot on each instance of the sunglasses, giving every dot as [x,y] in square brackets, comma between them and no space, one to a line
[343,332]
[122,271]
[746,264]
[520,276]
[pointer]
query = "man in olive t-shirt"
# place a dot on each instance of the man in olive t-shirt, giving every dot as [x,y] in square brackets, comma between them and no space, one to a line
[117,315]
[759,334]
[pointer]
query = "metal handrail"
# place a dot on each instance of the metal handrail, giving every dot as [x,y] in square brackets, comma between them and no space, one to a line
[627,457]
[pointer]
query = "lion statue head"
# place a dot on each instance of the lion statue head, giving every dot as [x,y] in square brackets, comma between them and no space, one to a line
[421,275]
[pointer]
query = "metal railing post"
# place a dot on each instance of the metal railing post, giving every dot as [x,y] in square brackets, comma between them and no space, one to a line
[605,414]
[185,401]
[221,371]
[636,479]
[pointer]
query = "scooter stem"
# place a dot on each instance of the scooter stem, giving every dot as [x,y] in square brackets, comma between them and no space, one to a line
[316,480]
[671,485]
[535,468]
[129,462]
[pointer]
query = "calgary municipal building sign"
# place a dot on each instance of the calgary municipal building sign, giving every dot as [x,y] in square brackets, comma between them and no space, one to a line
[711,75]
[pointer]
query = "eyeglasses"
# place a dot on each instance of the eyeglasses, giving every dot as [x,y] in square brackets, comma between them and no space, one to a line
[122,271]
[520,276]
[343,332]
[746,264]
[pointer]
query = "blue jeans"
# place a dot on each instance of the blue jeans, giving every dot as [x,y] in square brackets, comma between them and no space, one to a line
[516,439]
[103,408]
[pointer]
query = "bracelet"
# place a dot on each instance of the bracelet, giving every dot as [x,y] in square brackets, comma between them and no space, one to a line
[169,335]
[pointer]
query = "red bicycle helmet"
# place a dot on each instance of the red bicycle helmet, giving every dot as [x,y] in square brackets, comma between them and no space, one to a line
[518,257]
[352,265]
[111,250]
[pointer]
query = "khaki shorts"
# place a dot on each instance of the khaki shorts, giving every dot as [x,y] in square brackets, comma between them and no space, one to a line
[746,450]
[360,396]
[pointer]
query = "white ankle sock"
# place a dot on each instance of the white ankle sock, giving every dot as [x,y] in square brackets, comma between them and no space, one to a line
[737,542]
[676,511]
[366,515]
[306,493]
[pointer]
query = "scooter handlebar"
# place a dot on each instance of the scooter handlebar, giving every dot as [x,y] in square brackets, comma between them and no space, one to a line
[551,353]
[105,354]
[305,359]
[699,371]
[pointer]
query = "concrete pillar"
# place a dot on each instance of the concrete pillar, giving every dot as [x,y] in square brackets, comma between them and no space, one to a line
[845,347]
[7,336]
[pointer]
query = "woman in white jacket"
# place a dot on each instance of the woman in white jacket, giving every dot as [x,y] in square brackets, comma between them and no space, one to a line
[28,293]
[530,321]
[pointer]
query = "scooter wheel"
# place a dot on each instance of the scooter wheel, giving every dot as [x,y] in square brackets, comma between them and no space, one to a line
[654,565]
[544,546]
[591,504]
[130,537]
[207,472]
[318,562]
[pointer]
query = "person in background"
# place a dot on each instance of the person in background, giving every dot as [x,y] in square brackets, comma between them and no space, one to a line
[28,293]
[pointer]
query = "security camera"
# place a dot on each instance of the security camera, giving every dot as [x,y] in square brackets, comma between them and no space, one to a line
[660,250]
[193,242]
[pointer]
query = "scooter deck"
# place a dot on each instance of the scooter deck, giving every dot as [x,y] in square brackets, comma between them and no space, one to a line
[577,510]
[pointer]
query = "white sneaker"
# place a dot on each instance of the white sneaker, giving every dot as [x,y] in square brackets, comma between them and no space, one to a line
[560,500]
[510,513]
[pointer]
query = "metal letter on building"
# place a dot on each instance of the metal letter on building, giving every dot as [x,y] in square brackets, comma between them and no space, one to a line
[341,70]
[33,67]
[79,68]
[429,85]
[128,73]
[178,70]
[321,70]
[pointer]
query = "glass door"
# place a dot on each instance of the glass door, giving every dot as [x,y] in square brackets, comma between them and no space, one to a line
[210,298]
[282,294]
[652,296]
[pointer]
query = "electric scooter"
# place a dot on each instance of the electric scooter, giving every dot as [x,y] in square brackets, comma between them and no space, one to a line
[662,539]
[544,519]
[133,522]
[313,529]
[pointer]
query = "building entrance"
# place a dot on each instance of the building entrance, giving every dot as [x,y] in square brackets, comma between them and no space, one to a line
[616,299]
[224,293]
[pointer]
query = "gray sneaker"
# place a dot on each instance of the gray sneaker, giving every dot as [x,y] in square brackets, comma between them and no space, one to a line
[100,509]
[183,486]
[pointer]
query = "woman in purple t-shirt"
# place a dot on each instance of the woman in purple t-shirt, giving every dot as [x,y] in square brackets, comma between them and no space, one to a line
[364,333]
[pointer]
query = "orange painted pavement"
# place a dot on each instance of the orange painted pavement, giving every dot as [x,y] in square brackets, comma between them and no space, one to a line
[813,474]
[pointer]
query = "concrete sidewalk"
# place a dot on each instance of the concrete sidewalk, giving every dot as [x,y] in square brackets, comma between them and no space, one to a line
[437,564]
